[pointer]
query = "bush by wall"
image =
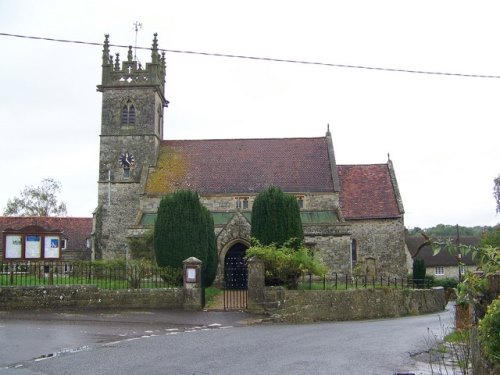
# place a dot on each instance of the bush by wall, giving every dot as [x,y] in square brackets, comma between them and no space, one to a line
[489,332]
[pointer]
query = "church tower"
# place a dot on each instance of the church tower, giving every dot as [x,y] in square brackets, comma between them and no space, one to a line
[131,131]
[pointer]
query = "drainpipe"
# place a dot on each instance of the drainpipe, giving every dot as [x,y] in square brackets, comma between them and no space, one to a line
[109,187]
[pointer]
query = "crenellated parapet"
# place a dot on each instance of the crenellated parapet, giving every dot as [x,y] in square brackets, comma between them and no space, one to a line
[128,73]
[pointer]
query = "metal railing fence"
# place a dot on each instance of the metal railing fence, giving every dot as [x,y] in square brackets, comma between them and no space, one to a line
[345,282]
[123,275]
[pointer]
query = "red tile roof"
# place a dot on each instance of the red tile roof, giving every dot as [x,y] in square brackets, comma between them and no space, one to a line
[75,229]
[239,166]
[367,192]
[248,166]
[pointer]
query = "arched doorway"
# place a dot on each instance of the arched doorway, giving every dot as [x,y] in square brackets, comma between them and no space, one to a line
[235,267]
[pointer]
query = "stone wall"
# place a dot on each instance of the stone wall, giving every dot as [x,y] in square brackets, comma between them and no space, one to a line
[384,241]
[381,241]
[331,244]
[188,297]
[300,306]
[311,201]
[88,297]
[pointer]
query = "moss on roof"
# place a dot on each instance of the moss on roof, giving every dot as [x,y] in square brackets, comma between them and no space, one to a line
[169,173]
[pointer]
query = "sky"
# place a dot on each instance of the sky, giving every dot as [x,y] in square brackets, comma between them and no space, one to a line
[442,131]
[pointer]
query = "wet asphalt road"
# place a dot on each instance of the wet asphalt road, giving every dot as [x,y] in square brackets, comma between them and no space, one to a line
[28,336]
[208,343]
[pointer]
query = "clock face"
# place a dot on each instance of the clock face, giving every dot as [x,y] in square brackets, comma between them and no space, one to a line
[126,160]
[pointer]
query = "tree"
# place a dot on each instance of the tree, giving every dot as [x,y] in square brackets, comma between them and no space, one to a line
[184,228]
[419,271]
[496,192]
[276,218]
[442,230]
[37,201]
[490,237]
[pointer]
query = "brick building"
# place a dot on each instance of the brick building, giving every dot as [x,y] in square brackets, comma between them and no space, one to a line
[69,238]
[352,214]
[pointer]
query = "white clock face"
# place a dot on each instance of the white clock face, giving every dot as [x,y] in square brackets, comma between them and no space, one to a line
[126,160]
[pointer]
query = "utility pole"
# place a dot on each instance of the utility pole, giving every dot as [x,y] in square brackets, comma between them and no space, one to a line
[459,255]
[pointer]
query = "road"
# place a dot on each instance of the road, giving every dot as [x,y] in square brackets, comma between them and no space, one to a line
[220,343]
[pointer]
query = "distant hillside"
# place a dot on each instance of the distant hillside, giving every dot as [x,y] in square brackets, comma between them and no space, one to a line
[450,230]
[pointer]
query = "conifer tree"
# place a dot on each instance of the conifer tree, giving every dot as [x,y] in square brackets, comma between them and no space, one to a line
[419,271]
[276,217]
[184,228]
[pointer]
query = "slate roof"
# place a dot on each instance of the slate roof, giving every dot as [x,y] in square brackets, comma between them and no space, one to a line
[76,230]
[367,192]
[239,166]
[443,258]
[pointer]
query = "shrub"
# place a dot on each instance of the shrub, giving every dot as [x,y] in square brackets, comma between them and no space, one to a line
[446,283]
[142,247]
[286,264]
[489,332]
[184,228]
[470,289]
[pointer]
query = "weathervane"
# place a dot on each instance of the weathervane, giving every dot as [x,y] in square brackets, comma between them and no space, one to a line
[137,27]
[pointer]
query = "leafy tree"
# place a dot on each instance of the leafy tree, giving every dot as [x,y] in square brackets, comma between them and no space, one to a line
[276,218]
[490,237]
[184,228]
[37,201]
[442,230]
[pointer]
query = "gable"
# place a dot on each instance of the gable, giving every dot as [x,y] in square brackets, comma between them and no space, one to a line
[236,166]
[367,192]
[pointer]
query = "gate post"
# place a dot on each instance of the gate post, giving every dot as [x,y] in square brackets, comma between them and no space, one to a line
[192,284]
[256,284]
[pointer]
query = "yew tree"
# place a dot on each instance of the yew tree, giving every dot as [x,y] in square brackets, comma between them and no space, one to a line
[276,218]
[184,228]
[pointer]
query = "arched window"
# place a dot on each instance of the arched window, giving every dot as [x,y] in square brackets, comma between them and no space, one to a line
[354,252]
[128,114]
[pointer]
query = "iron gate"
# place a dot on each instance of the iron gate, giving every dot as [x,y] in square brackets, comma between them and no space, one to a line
[235,282]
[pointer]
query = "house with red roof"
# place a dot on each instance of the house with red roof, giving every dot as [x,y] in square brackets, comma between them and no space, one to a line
[353,215]
[45,238]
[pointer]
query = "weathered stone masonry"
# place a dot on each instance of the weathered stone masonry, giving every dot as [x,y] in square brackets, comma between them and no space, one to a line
[342,205]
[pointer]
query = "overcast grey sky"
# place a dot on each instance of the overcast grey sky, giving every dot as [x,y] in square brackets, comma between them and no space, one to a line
[442,132]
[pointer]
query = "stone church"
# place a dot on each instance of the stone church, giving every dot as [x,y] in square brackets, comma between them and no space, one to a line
[352,215]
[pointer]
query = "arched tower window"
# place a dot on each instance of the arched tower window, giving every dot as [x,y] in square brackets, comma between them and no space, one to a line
[128,114]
